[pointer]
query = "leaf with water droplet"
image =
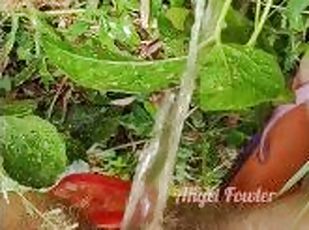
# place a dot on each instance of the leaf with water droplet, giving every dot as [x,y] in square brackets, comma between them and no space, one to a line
[33,151]
[234,77]
[135,76]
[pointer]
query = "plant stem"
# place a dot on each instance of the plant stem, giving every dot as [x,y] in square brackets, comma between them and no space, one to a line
[220,22]
[145,13]
[123,146]
[37,35]
[57,95]
[259,27]
[64,12]
[257,13]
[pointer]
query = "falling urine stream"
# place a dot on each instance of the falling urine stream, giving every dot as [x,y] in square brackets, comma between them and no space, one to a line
[149,191]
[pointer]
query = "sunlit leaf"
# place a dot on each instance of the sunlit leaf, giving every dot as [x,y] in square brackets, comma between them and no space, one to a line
[294,13]
[99,74]
[235,77]
[177,16]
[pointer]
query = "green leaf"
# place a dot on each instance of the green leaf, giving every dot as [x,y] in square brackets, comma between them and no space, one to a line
[139,121]
[26,73]
[121,29]
[77,29]
[33,151]
[177,3]
[5,84]
[238,28]
[234,77]
[100,74]
[92,124]
[177,16]
[17,108]
[175,41]
[294,13]
[8,46]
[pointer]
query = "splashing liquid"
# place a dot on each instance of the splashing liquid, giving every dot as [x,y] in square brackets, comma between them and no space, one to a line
[149,191]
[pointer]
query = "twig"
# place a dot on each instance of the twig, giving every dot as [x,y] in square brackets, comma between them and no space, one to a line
[64,12]
[257,13]
[58,93]
[191,111]
[218,29]
[277,8]
[145,13]
[258,29]
[66,98]
[123,146]
[280,7]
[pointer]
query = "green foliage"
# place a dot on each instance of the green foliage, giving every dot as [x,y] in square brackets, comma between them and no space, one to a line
[125,76]
[139,121]
[224,71]
[177,16]
[17,108]
[234,77]
[183,172]
[33,152]
[9,43]
[99,49]
[294,13]
[118,164]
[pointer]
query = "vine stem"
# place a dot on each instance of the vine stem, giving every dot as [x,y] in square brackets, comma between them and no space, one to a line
[221,18]
[257,13]
[259,26]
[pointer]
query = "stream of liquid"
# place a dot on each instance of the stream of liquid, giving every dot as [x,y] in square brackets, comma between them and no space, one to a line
[149,191]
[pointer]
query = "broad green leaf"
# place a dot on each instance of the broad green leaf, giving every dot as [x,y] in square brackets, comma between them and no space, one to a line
[100,74]
[32,150]
[177,16]
[238,28]
[294,13]
[234,77]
